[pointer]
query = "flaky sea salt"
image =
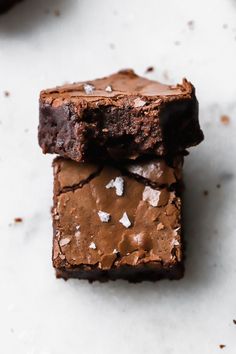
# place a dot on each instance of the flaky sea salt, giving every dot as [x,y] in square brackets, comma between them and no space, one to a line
[118,184]
[92,246]
[175,243]
[88,89]
[77,227]
[115,251]
[108,88]
[138,102]
[64,241]
[151,196]
[104,217]
[125,220]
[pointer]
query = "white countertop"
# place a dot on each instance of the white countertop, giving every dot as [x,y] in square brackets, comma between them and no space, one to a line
[42,315]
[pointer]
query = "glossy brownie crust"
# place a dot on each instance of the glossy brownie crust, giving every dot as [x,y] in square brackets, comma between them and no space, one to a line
[120,116]
[95,240]
[5,5]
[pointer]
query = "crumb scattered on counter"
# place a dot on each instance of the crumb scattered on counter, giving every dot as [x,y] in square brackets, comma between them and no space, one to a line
[205,193]
[234,321]
[6,93]
[218,185]
[149,69]
[222,346]
[225,119]
[18,220]
[191,24]
[176,42]
[57,13]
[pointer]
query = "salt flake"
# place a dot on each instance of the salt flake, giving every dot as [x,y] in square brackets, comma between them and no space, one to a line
[92,246]
[151,196]
[64,241]
[104,217]
[108,88]
[118,184]
[175,243]
[88,89]
[125,220]
[138,102]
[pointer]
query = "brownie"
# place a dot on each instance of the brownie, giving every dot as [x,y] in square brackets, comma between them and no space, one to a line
[115,222]
[5,5]
[120,116]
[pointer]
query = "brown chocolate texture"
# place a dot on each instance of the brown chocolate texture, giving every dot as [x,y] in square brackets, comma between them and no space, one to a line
[120,116]
[114,223]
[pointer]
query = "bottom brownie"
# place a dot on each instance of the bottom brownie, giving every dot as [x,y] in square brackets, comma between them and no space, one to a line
[117,223]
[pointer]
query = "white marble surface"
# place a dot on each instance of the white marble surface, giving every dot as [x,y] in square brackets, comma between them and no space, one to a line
[91,38]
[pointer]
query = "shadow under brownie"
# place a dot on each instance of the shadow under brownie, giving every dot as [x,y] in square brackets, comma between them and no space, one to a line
[111,222]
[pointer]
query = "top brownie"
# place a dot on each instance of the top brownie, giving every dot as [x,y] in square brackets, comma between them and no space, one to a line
[122,116]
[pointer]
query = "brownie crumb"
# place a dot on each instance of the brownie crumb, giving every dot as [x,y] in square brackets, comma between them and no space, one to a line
[218,185]
[176,42]
[18,220]
[149,69]
[222,346]
[6,93]
[205,193]
[225,119]
[234,321]
[57,13]
[190,24]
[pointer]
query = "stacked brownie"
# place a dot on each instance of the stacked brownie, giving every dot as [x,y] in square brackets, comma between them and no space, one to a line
[118,180]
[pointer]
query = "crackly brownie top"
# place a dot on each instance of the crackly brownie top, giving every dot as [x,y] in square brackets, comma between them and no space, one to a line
[108,217]
[123,83]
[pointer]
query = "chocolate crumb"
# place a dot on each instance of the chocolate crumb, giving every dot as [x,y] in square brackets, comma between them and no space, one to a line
[225,119]
[18,220]
[57,13]
[149,69]
[234,321]
[6,93]
[190,24]
[218,186]
[205,193]
[222,346]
